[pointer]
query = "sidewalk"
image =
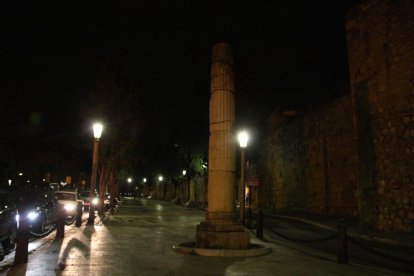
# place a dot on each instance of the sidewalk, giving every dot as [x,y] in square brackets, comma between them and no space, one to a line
[138,240]
[354,228]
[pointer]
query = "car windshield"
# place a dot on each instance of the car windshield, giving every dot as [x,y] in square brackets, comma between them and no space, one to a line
[65,196]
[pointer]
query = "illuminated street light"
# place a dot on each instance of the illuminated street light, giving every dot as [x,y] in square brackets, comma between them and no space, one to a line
[184,172]
[243,139]
[10,182]
[129,180]
[160,178]
[144,180]
[20,173]
[97,131]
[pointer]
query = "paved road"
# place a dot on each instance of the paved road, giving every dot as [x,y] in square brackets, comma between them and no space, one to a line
[138,240]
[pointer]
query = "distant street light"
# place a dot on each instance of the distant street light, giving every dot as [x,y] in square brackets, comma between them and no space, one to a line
[160,178]
[243,139]
[10,182]
[97,131]
[129,180]
[184,172]
[144,180]
[20,173]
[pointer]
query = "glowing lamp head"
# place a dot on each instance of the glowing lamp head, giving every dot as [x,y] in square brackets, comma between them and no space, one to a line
[145,180]
[160,178]
[97,130]
[243,139]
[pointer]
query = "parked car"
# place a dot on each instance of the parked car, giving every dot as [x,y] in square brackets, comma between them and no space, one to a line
[41,210]
[69,200]
[86,198]
[8,223]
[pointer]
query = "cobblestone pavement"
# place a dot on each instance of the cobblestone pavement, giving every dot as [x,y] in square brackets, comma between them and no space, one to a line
[138,240]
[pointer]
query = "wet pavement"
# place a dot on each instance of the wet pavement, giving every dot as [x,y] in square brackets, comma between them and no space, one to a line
[138,240]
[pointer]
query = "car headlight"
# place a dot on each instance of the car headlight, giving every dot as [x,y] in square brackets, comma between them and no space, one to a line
[69,207]
[32,215]
[95,201]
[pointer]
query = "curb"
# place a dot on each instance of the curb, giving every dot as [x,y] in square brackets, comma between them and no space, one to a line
[254,250]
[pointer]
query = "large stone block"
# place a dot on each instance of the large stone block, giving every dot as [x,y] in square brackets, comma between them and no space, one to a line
[222,236]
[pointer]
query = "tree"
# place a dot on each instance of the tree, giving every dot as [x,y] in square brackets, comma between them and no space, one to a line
[114,100]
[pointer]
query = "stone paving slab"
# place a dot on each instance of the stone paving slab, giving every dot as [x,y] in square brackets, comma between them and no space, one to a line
[138,240]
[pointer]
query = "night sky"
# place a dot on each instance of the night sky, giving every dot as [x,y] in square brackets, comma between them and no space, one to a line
[288,55]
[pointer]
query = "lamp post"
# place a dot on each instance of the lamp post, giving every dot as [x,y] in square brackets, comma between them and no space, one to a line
[97,131]
[160,178]
[243,139]
[183,187]
[129,185]
[144,180]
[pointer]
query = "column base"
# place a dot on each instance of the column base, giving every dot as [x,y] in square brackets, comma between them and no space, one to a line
[228,234]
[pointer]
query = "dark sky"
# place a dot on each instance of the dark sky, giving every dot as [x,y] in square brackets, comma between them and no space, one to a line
[288,55]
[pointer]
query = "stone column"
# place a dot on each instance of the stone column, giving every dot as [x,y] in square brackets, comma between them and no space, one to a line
[221,229]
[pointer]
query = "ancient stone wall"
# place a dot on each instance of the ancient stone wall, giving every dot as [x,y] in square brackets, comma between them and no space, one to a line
[285,164]
[330,159]
[311,162]
[355,156]
[380,38]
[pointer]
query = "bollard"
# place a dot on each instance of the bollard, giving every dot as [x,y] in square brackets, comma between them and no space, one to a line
[342,243]
[60,230]
[22,245]
[78,222]
[259,227]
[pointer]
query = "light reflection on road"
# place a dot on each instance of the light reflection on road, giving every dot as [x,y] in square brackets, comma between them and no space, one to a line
[35,243]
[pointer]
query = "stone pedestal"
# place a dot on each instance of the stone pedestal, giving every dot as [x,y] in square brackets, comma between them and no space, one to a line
[221,228]
[230,235]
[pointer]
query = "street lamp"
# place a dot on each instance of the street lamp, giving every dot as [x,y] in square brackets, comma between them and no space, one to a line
[160,178]
[97,131]
[129,180]
[243,139]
